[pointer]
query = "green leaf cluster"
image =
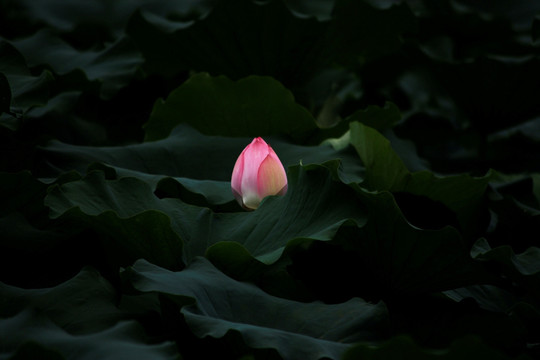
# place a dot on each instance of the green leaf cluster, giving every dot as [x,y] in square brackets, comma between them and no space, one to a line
[409,131]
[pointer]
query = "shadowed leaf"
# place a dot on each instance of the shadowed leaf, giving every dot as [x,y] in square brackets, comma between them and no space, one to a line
[296,330]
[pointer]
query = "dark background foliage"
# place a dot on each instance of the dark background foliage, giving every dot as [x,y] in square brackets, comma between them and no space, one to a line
[410,131]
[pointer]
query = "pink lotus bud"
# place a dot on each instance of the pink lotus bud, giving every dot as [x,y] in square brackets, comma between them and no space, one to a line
[257,173]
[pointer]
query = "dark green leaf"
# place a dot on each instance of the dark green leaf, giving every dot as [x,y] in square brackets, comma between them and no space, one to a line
[296,217]
[361,32]
[77,316]
[99,16]
[296,330]
[535,29]
[248,38]
[376,117]
[322,9]
[253,106]
[501,101]
[124,340]
[26,90]
[127,210]
[32,248]
[180,156]
[399,258]
[385,170]
[114,66]
[20,192]
[488,297]
[82,305]
[5,94]
[402,347]
[526,263]
[513,222]
[33,350]
[126,214]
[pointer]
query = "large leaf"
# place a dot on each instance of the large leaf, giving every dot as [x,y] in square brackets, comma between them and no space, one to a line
[514,212]
[535,29]
[22,197]
[526,263]
[134,218]
[253,106]
[181,155]
[399,258]
[488,297]
[23,90]
[5,94]
[296,330]
[270,39]
[380,118]
[503,100]
[402,347]
[114,66]
[33,250]
[376,117]
[322,9]
[362,31]
[30,334]
[297,216]
[67,304]
[265,233]
[126,215]
[79,315]
[249,38]
[385,170]
[20,192]
[522,270]
[100,18]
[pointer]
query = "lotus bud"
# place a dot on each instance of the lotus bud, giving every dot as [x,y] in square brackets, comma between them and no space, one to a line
[257,173]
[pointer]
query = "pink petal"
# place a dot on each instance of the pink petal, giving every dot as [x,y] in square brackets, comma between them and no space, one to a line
[272,179]
[238,171]
[254,154]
